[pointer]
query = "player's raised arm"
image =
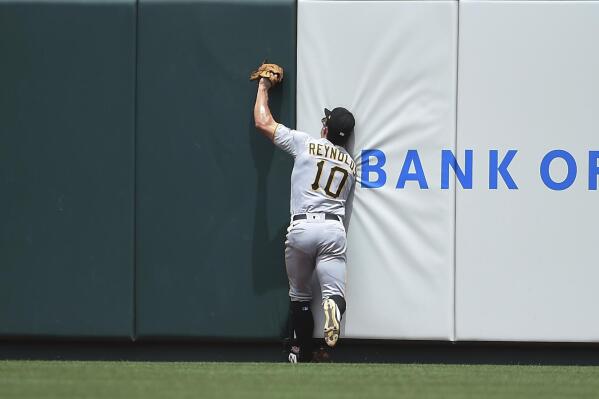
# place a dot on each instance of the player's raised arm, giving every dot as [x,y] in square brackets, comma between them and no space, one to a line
[263,119]
[268,75]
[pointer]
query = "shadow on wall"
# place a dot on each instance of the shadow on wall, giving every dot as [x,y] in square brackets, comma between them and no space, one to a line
[268,252]
[349,206]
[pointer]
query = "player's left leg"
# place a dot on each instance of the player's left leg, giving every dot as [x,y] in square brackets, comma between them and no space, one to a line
[303,326]
[299,262]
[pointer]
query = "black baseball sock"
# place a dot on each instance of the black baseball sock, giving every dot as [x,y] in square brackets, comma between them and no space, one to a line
[303,325]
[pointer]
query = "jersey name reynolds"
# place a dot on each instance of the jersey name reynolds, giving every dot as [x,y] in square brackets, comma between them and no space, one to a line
[332,154]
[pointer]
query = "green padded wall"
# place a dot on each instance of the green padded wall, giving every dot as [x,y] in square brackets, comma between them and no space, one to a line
[67,91]
[212,193]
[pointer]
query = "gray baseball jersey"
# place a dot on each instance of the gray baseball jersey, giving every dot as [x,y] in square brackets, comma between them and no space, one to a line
[323,173]
[322,177]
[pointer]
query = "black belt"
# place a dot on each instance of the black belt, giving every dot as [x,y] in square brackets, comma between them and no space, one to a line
[327,216]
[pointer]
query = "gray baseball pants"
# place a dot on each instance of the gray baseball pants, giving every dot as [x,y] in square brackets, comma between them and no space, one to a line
[315,245]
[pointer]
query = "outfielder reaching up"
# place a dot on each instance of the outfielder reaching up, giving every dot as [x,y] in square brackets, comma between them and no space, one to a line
[322,178]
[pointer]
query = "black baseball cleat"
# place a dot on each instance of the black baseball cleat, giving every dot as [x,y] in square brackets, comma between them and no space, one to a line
[294,355]
[332,322]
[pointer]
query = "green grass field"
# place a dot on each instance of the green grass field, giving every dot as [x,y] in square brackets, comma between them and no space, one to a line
[70,379]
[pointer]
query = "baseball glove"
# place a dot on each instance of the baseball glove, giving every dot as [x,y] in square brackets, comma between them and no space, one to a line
[272,72]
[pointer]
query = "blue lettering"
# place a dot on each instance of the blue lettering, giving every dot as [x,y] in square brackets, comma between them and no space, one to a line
[570,162]
[496,168]
[377,168]
[593,169]
[405,175]
[465,178]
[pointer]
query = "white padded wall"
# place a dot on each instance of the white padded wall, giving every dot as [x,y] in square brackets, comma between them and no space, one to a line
[526,260]
[393,64]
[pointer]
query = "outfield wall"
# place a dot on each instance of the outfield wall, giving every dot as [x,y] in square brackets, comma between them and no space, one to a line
[67,102]
[139,202]
[527,263]
[397,73]
[212,193]
[478,79]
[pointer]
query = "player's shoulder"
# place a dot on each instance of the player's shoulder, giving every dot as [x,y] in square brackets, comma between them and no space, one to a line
[289,140]
[285,130]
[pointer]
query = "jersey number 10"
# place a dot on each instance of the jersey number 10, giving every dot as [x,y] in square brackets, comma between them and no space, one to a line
[327,187]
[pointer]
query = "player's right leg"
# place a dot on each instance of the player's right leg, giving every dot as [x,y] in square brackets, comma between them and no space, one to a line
[332,319]
[331,271]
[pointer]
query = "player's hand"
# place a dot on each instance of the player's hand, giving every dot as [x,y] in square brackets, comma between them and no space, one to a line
[272,72]
[265,83]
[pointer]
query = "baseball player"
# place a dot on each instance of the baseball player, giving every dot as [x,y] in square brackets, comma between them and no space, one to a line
[323,176]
